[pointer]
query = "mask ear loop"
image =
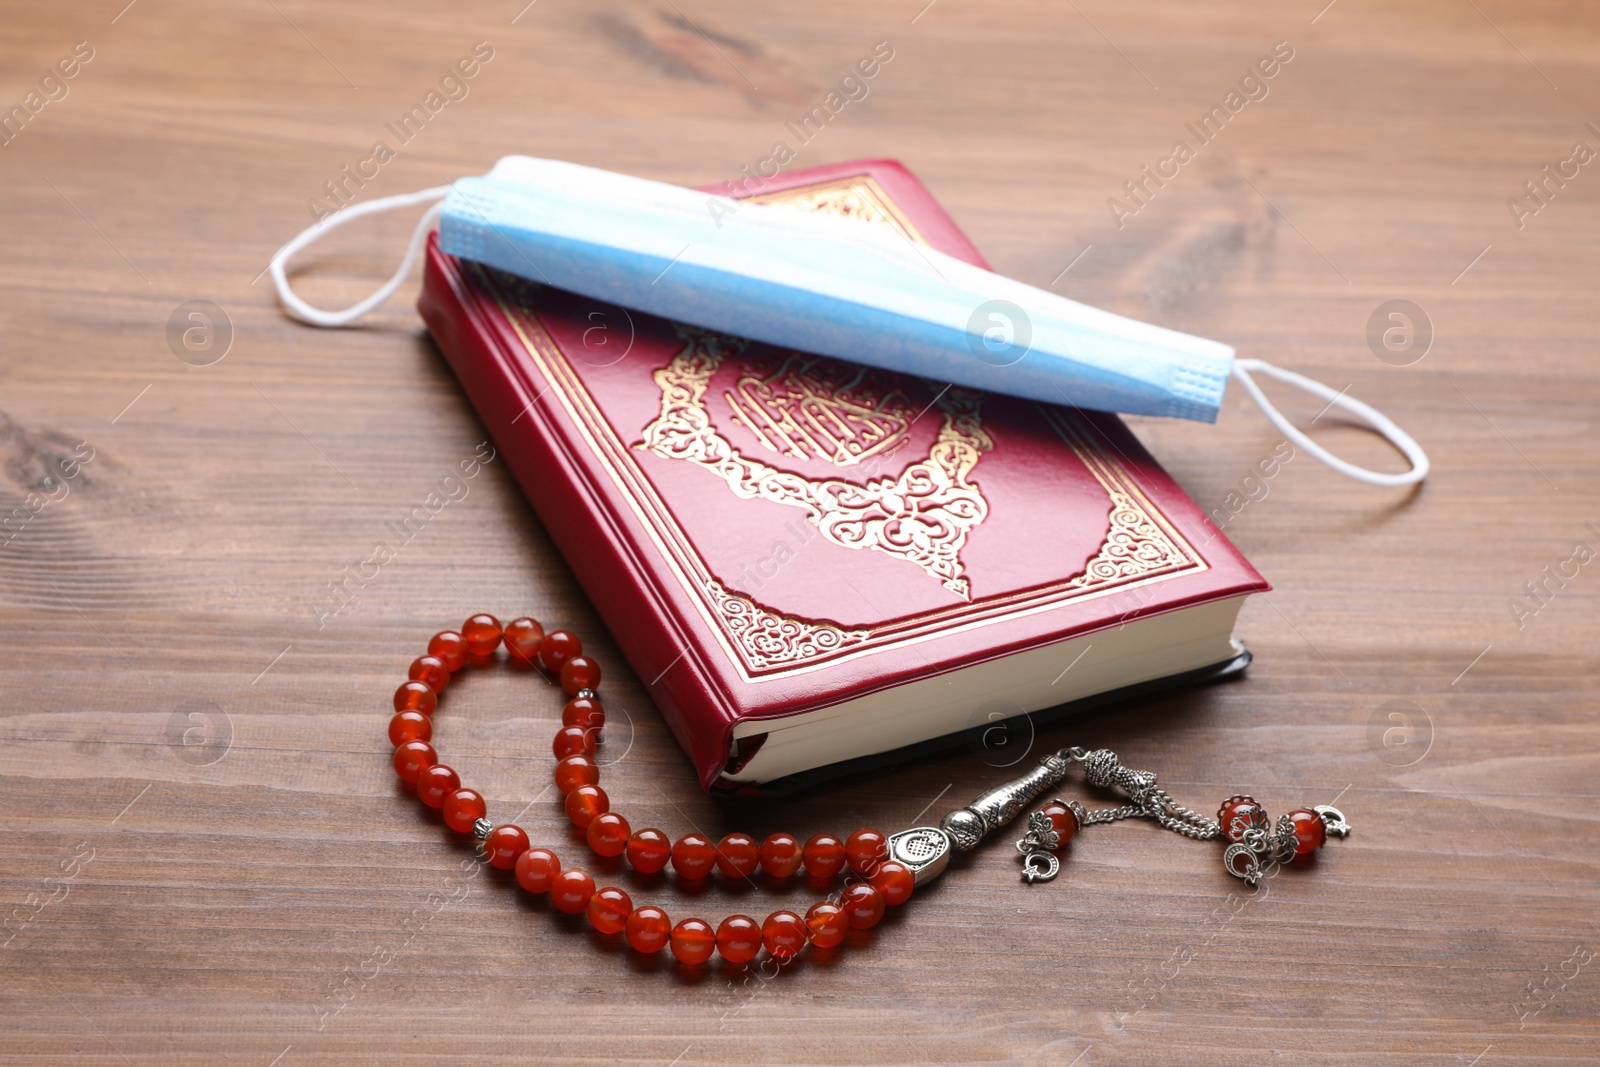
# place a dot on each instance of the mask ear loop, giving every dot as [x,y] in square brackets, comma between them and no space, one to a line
[1366,413]
[316,316]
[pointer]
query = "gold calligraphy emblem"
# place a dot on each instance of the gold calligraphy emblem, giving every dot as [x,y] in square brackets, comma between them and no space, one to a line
[817,408]
[922,516]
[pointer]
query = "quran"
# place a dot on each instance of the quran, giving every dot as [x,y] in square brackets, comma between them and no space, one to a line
[816,566]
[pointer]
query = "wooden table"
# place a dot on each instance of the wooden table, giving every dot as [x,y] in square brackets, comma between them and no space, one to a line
[204,858]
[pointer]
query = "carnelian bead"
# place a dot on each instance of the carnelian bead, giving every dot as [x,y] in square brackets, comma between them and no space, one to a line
[823,856]
[435,783]
[1310,832]
[431,671]
[693,941]
[503,845]
[649,850]
[826,924]
[1063,818]
[536,870]
[738,855]
[415,696]
[570,891]
[863,905]
[462,809]
[412,758]
[1238,806]
[780,855]
[739,938]
[450,647]
[894,882]
[608,833]
[585,712]
[572,741]
[410,726]
[557,647]
[693,856]
[482,633]
[866,848]
[609,909]
[522,637]
[574,771]
[580,672]
[784,934]
[648,929]
[584,803]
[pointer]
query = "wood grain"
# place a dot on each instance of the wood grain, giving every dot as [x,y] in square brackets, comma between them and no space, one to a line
[264,895]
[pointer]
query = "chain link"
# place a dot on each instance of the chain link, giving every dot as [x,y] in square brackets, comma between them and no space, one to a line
[1150,802]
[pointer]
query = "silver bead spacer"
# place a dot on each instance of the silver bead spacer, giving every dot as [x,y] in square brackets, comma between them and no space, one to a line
[586,693]
[964,827]
[481,828]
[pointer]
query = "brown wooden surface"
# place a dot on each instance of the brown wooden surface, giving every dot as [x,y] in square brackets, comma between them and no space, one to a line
[265,895]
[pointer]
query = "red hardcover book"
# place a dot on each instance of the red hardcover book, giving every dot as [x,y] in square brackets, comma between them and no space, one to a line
[813,564]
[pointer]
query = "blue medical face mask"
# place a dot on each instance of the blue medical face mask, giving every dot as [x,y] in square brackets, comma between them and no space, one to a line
[821,283]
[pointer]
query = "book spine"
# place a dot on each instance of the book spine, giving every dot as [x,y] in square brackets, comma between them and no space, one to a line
[600,552]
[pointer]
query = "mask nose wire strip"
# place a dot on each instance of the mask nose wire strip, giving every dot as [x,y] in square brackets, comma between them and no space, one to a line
[1366,413]
[316,316]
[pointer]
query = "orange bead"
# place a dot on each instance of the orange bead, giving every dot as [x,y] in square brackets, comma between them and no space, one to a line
[780,855]
[693,856]
[463,808]
[738,855]
[580,672]
[536,870]
[584,803]
[894,881]
[1310,832]
[574,771]
[823,856]
[412,758]
[503,845]
[609,909]
[482,633]
[570,891]
[608,833]
[784,934]
[572,741]
[585,712]
[415,696]
[863,905]
[693,941]
[435,783]
[866,848]
[450,647]
[648,929]
[1241,807]
[1063,818]
[739,938]
[431,671]
[557,647]
[826,924]
[410,726]
[523,637]
[648,850]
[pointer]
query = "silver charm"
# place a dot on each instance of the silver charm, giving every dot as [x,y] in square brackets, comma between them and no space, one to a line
[1041,836]
[481,828]
[924,849]
[1039,867]
[1240,861]
[1333,819]
[1038,845]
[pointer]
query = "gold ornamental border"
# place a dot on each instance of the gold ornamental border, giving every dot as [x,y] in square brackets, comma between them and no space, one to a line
[1140,547]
